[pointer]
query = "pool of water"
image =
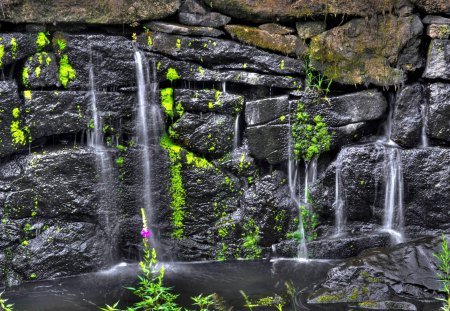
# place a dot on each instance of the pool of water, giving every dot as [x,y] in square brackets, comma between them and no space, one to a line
[257,279]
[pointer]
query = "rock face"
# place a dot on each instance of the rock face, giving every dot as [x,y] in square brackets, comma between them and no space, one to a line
[99,12]
[365,58]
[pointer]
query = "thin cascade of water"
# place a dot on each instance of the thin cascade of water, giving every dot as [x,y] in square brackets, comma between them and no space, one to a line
[423,136]
[224,86]
[236,138]
[148,130]
[103,161]
[339,204]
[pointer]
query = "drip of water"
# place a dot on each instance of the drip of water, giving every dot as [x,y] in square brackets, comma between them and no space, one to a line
[339,196]
[149,129]
[423,136]
[236,139]
[393,200]
[224,86]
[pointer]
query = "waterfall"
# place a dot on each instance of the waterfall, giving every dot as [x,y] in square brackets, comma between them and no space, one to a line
[393,219]
[148,128]
[236,138]
[423,136]
[224,86]
[393,198]
[103,162]
[339,204]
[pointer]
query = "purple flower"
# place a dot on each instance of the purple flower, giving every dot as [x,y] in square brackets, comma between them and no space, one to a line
[146,233]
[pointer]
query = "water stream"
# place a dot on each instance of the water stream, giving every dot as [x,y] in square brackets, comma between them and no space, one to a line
[148,130]
[339,204]
[237,138]
[423,134]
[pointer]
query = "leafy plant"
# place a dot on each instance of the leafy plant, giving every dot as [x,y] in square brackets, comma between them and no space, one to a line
[443,256]
[3,305]
[315,80]
[310,136]
[204,302]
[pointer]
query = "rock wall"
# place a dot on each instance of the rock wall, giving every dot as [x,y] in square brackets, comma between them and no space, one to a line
[230,75]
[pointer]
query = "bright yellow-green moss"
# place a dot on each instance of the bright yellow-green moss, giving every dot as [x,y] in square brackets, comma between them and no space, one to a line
[178,44]
[176,189]
[180,109]
[14,47]
[16,113]
[201,70]
[17,134]
[41,41]
[250,241]
[354,295]
[25,76]
[328,298]
[282,65]
[368,304]
[197,161]
[37,72]
[282,118]
[172,74]
[2,53]
[27,94]
[66,71]
[167,101]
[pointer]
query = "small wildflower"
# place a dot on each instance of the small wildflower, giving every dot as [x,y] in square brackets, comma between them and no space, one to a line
[145,233]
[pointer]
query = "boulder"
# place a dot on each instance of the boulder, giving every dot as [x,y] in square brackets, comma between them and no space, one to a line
[42,71]
[17,46]
[438,31]
[407,118]
[438,66]
[356,52]
[407,269]
[276,29]
[286,44]
[223,54]
[438,124]
[210,135]
[310,29]
[91,12]
[178,29]
[433,6]
[194,12]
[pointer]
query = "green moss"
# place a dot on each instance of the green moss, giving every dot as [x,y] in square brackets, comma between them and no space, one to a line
[16,113]
[33,276]
[369,278]
[310,137]
[66,71]
[201,70]
[41,41]
[27,94]
[250,245]
[25,76]
[221,255]
[14,47]
[282,65]
[172,74]
[37,72]
[120,161]
[2,54]
[167,101]
[368,304]
[180,109]
[178,44]
[282,118]
[310,222]
[328,298]
[354,295]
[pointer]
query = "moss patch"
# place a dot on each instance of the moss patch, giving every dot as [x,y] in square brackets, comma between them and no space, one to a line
[167,101]
[66,71]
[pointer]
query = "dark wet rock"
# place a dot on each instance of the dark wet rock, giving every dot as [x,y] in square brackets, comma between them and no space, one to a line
[194,72]
[366,58]
[407,269]
[351,133]
[286,44]
[433,6]
[178,29]
[268,128]
[42,71]
[425,175]
[68,249]
[438,66]
[438,125]
[13,131]
[267,202]
[112,59]
[17,46]
[277,29]
[91,12]
[310,29]
[348,109]
[209,101]
[270,10]
[50,113]
[239,162]
[407,118]
[223,54]
[335,247]
[386,305]
[210,135]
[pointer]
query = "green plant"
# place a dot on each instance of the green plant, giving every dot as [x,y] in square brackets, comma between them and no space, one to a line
[4,306]
[203,302]
[443,256]
[310,137]
[310,222]
[66,71]
[41,41]
[315,80]
[111,308]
